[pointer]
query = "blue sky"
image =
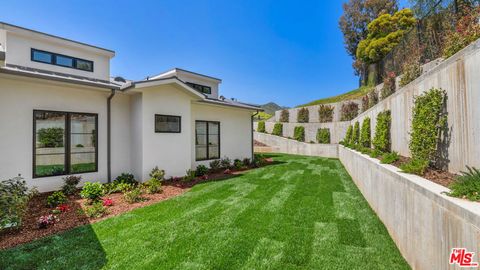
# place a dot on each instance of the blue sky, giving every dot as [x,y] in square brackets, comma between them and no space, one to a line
[289,52]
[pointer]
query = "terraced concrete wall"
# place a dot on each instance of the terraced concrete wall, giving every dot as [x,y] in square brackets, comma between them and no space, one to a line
[424,223]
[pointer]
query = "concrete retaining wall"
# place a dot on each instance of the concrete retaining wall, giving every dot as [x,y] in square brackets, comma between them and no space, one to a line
[424,223]
[284,145]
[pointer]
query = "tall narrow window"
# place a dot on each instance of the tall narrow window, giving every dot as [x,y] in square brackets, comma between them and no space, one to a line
[207,140]
[64,143]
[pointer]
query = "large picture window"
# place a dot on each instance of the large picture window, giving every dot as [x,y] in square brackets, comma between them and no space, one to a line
[168,123]
[207,140]
[64,143]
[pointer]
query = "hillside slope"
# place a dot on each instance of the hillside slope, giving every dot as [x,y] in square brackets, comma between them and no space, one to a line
[354,94]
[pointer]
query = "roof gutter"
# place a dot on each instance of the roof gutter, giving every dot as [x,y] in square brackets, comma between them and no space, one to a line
[253,152]
[109,135]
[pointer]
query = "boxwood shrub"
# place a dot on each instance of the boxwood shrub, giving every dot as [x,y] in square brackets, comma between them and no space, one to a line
[261,127]
[381,141]
[365,133]
[299,133]
[278,129]
[323,135]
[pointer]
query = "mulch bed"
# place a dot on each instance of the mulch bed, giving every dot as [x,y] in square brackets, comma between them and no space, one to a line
[257,143]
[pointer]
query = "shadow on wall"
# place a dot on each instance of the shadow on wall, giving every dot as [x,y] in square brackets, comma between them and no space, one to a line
[442,159]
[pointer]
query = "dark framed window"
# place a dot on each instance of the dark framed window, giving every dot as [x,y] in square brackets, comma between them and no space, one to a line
[207,140]
[61,60]
[168,123]
[201,88]
[64,143]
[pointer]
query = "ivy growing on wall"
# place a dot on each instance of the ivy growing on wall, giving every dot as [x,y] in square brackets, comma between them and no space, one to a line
[348,135]
[381,141]
[349,111]
[365,133]
[388,85]
[278,129]
[356,134]
[372,98]
[284,116]
[299,133]
[303,115]
[323,135]
[325,113]
[261,127]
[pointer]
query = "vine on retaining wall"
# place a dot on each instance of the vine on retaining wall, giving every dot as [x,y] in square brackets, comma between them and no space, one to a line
[372,98]
[299,133]
[325,113]
[356,134]
[278,129]
[381,141]
[349,111]
[284,116]
[365,133]
[303,115]
[348,136]
[388,85]
[323,135]
[261,127]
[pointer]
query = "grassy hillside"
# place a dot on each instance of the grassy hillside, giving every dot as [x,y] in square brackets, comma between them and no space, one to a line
[354,94]
[262,116]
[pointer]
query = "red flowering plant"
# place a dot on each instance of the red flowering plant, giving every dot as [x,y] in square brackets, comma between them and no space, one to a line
[63,208]
[107,202]
[45,221]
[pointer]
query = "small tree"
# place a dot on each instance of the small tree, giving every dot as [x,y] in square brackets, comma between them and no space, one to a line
[325,113]
[299,133]
[356,134]
[261,127]
[349,111]
[365,133]
[51,137]
[323,135]
[348,136]
[303,115]
[381,141]
[284,116]
[278,129]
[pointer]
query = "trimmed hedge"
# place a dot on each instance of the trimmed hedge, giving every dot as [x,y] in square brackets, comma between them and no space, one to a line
[381,141]
[284,116]
[365,133]
[303,115]
[325,113]
[278,129]
[299,133]
[261,127]
[356,134]
[323,135]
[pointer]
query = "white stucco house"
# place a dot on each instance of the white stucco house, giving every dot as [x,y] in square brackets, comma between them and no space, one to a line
[62,114]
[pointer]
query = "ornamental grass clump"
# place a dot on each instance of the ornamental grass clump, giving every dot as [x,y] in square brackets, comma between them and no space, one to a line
[467,185]
[323,135]
[299,133]
[261,127]
[303,115]
[365,133]
[278,129]
[381,140]
[325,113]
[284,116]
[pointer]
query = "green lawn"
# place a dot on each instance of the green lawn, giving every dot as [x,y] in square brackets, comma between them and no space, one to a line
[301,213]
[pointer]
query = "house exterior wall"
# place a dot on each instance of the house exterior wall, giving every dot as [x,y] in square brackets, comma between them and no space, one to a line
[20,96]
[121,134]
[136,139]
[186,77]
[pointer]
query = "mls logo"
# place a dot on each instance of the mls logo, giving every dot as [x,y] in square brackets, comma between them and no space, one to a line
[462,258]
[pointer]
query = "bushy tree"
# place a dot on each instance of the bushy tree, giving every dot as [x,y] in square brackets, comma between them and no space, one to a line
[356,134]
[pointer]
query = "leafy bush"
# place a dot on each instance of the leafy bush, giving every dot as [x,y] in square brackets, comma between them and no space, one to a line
[124,187]
[466,31]
[299,133]
[372,98]
[388,85]
[365,133]
[247,162]
[153,186]
[126,178]
[365,101]
[303,115]
[365,150]
[215,165]
[70,184]
[225,163]
[96,210]
[157,174]
[14,197]
[56,198]
[375,153]
[261,127]
[189,176]
[47,220]
[51,137]
[284,116]
[237,164]
[325,113]
[133,196]
[467,185]
[411,70]
[109,188]
[201,170]
[277,129]
[429,118]
[348,136]
[323,135]
[389,158]
[381,141]
[356,134]
[415,166]
[349,111]
[92,191]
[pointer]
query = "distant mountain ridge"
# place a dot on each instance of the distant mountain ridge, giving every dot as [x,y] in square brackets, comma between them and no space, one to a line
[271,107]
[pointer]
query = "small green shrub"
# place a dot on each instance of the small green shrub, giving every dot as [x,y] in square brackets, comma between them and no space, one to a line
[215,165]
[70,184]
[389,158]
[356,134]
[284,116]
[189,176]
[109,188]
[237,164]
[299,133]
[372,98]
[124,187]
[365,105]
[158,174]
[348,136]
[411,71]
[303,115]
[153,186]
[467,185]
[325,113]
[133,196]
[247,162]
[201,170]
[127,178]
[278,129]
[323,135]
[415,166]
[51,137]
[375,153]
[92,191]
[226,163]
[56,199]
[96,210]
[261,127]
[365,150]
[14,197]
[365,133]
[349,111]
[381,141]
